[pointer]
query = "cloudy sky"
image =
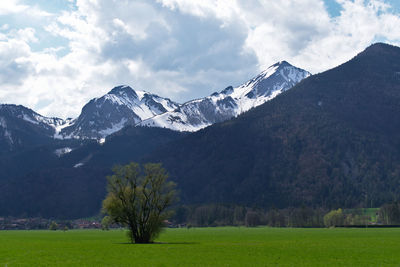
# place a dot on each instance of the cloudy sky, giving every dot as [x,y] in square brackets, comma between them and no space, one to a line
[56,55]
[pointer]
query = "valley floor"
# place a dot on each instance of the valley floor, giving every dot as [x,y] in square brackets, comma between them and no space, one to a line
[225,246]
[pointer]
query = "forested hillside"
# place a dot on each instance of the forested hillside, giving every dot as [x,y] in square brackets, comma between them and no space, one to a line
[331,141]
[42,182]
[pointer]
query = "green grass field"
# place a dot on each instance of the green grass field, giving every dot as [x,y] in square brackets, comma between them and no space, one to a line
[227,246]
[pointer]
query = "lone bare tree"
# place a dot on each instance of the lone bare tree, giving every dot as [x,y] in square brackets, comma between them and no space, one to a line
[139,198]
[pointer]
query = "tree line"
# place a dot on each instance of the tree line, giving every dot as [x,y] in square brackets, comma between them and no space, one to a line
[230,215]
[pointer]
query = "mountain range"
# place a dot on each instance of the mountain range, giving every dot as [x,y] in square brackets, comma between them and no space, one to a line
[123,106]
[330,141]
[230,102]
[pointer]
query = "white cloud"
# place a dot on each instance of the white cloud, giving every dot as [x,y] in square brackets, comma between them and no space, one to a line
[16,7]
[181,49]
[301,31]
[11,6]
[61,85]
[225,10]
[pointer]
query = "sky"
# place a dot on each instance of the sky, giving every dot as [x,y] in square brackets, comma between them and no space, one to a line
[57,55]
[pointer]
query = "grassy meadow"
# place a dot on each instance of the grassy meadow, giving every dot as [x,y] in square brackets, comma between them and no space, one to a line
[225,246]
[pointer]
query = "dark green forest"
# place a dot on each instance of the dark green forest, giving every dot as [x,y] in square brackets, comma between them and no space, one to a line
[332,141]
[35,182]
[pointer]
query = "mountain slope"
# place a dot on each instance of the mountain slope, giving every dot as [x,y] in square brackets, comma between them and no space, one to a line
[40,182]
[122,106]
[332,141]
[230,102]
[22,128]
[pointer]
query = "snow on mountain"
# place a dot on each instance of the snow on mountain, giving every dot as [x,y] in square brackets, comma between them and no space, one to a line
[124,106]
[20,126]
[6,133]
[230,102]
[62,151]
[30,116]
[120,107]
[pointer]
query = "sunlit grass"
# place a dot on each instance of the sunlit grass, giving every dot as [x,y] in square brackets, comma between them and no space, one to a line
[227,246]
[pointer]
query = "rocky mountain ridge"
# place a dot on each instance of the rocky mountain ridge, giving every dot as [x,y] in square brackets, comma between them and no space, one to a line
[124,106]
[230,102]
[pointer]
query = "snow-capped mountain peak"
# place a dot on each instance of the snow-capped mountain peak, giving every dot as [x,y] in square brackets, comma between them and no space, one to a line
[230,102]
[30,116]
[21,126]
[118,108]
